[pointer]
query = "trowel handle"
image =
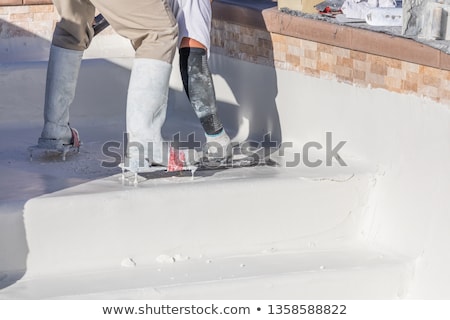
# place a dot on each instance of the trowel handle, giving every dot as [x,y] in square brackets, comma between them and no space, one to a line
[100,24]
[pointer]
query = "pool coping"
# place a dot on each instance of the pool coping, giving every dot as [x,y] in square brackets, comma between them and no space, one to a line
[367,41]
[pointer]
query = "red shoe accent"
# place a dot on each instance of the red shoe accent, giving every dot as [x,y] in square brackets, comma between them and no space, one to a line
[75,138]
[177,160]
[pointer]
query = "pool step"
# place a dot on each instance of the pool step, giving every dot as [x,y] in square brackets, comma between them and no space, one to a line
[353,272]
[232,212]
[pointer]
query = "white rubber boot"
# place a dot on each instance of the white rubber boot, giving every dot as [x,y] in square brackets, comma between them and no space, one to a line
[62,77]
[146,113]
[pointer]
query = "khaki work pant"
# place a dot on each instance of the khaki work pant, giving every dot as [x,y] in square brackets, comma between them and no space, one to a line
[148,24]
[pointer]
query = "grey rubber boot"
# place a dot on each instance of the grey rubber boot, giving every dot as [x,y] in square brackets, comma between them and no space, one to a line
[146,113]
[62,76]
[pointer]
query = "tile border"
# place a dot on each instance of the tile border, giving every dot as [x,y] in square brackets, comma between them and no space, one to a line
[367,41]
[330,51]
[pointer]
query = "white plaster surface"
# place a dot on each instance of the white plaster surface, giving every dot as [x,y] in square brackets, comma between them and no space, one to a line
[375,229]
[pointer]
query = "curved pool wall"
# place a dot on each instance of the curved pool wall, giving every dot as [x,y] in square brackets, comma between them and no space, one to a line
[407,139]
[397,145]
